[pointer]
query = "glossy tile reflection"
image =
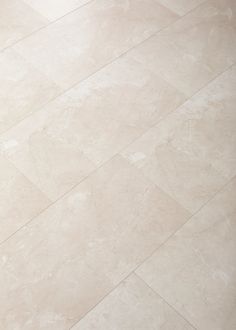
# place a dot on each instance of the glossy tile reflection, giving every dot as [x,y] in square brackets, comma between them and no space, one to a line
[117,164]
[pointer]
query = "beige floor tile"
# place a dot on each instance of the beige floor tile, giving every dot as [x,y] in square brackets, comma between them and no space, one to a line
[132,305]
[20,200]
[17,21]
[195,49]
[207,34]
[53,9]
[195,271]
[88,125]
[23,89]
[82,40]
[61,264]
[191,153]
[181,7]
[212,131]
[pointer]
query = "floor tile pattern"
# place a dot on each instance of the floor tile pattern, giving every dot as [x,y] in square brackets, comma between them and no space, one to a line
[117,165]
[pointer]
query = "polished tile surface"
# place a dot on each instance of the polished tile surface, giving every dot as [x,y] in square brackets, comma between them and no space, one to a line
[133,305]
[117,165]
[195,271]
[20,200]
[181,7]
[23,89]
[92,36]
[191,154]
[54,9]
[88,125]
[17,21]
[83,245]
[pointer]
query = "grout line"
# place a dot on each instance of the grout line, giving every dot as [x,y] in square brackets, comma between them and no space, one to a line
[53,202]
[118,153]
[44,26]
[189,219]
[97,168]
[92,172]
[172,307]
[148,257]
[93,73]
[100,300]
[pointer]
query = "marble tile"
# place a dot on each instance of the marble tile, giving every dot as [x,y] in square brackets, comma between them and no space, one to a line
[213,136]
[181,7]
[207,34]
[195,271]
[17,21]
[23,89]
[195,49]
[128,92]
[58,267]
[20,200]
[88,125]
[54,9]
[191,154]
[132,305]
[82,40]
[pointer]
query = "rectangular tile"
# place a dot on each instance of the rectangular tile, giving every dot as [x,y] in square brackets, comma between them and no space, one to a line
[195,49]
[23,89]
[132,305]
[68,258]
[17,21]
[191,154]
[195,271]
[54,9]
[82,40]
[88,125]
[20,200]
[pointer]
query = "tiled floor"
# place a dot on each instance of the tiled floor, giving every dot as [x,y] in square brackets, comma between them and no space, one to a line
[118,164]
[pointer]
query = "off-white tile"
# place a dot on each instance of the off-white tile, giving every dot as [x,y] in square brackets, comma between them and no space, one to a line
[132,305]
[191,154]
[23,89]
[92,36]
[17,21]
[20,200]
[63,142]
[207,34]
[69,257]
[195,49]
[195,271]
[54,9]
[181,7]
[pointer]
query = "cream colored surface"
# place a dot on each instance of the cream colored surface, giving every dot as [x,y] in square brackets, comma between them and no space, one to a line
[117,165]
[54,9]
[86,126]
[23,89]
[83,245]
[17,21]
[92,36]
[191,154]
[20,200]
[195,271]
[133,305]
